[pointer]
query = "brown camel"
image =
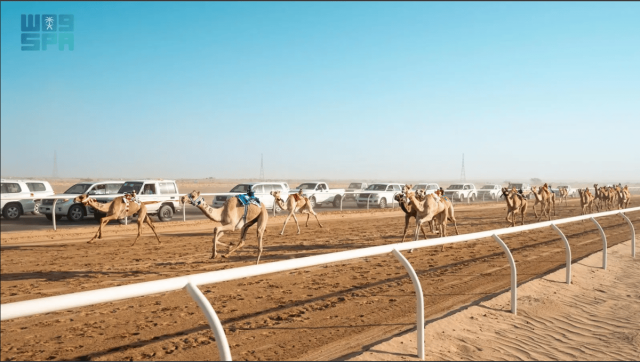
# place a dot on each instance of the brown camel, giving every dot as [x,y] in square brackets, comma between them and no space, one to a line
[428,209]
[120,208]
[516,204]
[409,211]
[624,197]
[539,200]
[295,202]
[598,198]
[586,200]
[232,216]
[550,198]
[564,195]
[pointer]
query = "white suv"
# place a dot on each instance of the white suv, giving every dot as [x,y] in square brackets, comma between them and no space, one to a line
[378,194]
[262,191]
[13,190]
[76,211]
[490,192]
[429,188]
[461,192]
[164,191]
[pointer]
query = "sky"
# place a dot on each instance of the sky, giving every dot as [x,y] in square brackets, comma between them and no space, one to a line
[326,90]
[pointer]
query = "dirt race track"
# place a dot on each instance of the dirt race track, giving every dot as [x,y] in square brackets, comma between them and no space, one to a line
[318,313]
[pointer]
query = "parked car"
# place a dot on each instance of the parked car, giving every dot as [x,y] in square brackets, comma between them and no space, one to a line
[74,211]
[354,187]
[571,192]
[490,192]
[379,194]
[461,192]
[262,191]
[319,193]
[526,189]
[165,191]
[429,188]
[13,190]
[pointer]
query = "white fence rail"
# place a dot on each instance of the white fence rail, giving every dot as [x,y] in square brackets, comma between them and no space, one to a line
[190,282]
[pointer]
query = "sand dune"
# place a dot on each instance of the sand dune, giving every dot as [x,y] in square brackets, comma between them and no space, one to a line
[595,318]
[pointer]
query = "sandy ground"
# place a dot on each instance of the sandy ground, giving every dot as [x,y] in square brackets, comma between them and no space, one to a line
[596,318]
[319,313]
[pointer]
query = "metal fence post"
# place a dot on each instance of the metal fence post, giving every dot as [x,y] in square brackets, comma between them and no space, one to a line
[53,215]
[633,235]
[368,201]
[514,275]
[604,244]
[419,300]
[212,318]
[184,211]
[567,249]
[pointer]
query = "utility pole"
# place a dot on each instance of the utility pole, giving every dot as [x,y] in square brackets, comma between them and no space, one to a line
[55,165]
[261,167]
[463,177]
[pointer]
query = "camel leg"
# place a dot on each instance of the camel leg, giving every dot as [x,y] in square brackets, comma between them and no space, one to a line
[217,234]
[243,236]
[406,226]
[308,216]
[296,220]
[262,225]
[285,223]
[150,223]
[316,215]
[534,209]
[104,221]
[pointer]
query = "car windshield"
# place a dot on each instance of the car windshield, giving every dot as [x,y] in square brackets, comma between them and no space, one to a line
[130,187]
[517,186]
[78,189]
[455,187]
[488,187]
[419,187]
[307,187]
[241,188]
[354,186]
[377,187]
[563,187]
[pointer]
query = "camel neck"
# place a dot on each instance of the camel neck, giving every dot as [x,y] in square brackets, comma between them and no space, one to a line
[210,212]
[417,204]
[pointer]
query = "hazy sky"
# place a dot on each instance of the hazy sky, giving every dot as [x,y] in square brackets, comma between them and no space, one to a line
[326,90]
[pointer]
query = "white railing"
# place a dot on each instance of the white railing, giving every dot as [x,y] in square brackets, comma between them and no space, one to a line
[190,282]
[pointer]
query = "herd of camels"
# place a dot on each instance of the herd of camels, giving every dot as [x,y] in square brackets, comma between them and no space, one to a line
[433,209]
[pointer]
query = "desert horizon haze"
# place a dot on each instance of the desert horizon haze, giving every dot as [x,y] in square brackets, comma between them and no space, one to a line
[378,90]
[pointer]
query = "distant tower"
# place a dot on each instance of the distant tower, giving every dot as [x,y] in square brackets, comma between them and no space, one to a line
[55,165]
[463,177]
[261,167]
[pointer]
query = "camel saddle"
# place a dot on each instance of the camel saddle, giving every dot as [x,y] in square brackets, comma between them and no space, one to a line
[246,200]
[297,197]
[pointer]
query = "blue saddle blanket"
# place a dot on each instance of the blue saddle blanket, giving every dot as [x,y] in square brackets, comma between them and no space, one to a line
[246,200]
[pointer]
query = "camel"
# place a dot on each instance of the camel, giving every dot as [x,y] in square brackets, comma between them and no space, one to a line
[564,195]
[409,210]
[295,202]
[586,201]
[624,197]
[120,208]
[432,206]
[232,216]
[546,198]
[516,204]
[599,198]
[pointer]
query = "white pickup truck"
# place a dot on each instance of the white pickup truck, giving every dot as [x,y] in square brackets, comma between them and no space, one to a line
[490,192]
[379,195]
[461,192]
[165,191]
[319,193]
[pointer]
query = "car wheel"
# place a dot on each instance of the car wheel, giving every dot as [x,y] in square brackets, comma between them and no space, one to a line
[473,198]
[165,213]
[50,217]
[278,209]
[383,203]
[75,213]
[461,198]
[11,211]
[36,209]
[336,201]
[312,202]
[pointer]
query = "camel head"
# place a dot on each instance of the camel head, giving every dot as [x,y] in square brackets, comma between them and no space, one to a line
[83,199]
[420,195]
[192,198]
[276,195]
[397,197]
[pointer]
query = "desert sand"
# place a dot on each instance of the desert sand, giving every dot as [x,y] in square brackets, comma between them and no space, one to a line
[595,318]
[320,313]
